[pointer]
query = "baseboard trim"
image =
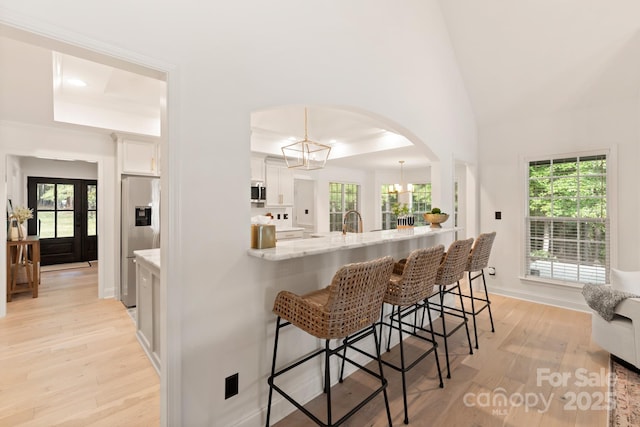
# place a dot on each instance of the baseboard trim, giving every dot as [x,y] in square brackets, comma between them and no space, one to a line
[555,302]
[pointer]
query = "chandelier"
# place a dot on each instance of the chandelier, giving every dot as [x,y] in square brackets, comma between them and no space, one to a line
[306,154]
[402,187]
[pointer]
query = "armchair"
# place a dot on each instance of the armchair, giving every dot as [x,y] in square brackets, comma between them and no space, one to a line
[621,335]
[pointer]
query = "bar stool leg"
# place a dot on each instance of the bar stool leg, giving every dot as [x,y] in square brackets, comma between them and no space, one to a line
[381,324]
[444,331]
[402,371]
[464,314]
[344,358]
[327,378]
[382,379]
[473,310]
[390,328]
[273,370]
[435,349]
[486,295]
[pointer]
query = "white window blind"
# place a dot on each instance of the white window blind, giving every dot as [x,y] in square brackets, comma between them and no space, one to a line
[567,224]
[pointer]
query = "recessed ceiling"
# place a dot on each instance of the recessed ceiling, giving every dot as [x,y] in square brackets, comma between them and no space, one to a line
[357,140]
[93,94]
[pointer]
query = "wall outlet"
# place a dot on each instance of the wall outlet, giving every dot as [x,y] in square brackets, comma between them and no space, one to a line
[230,386]
[492,271]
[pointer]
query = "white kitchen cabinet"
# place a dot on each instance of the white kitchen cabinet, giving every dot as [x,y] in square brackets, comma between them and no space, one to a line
[148,303]
[257,169]
[140,157]
[279,182]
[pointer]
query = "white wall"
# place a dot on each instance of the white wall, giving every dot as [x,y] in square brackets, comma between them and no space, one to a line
[72,169]
[20,140]
[505,147]
[15,192]
[391,59]
[32,166]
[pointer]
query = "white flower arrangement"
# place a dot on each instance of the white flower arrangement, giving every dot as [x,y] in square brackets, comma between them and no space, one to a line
[21,214]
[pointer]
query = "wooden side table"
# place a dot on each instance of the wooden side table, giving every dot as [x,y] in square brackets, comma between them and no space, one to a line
[23,254]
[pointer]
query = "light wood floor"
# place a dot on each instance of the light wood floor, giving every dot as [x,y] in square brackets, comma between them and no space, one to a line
[528,337]
[68,358]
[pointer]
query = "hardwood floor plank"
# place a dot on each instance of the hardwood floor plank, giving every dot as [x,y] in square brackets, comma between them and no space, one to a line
[502,384]
[71,359]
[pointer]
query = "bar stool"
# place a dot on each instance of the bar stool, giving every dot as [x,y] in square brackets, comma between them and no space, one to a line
[347,309]
[450,272]
[405,293]
[477,261]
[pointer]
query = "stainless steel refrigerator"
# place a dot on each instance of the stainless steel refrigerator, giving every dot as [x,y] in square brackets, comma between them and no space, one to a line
[140,225]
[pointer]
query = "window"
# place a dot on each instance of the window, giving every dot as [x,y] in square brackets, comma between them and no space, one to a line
[420,203]
[387,200]
[567,224]
[55,209]
[343,198]
[92,210]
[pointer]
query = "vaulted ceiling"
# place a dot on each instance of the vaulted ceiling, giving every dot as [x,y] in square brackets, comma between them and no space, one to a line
[528,57]
[518,58]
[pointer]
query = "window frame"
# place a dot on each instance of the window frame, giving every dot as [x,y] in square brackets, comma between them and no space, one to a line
[610,224]
[392,221]
[351,221]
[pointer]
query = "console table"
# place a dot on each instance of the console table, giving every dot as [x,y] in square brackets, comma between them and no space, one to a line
[23,254]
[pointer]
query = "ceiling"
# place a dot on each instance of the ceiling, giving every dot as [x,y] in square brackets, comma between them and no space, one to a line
[518,59]
[75,86]
[356,140]
[523,58]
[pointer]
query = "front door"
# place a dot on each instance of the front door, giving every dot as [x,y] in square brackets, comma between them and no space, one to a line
[65,218]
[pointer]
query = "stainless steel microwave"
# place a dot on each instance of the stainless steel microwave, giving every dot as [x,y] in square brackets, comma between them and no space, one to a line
[258,193]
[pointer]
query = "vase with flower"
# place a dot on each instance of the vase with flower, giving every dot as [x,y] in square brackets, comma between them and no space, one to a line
[405,219]
[18,230]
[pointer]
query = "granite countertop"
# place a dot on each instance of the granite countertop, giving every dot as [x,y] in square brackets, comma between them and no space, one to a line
[329,242]
[152,256]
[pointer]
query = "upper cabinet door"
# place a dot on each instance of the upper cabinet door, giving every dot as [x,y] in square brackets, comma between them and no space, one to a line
[257,169]
[279,186]
[140,157]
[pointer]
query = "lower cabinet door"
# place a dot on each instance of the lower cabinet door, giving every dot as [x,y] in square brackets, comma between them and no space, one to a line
[145,305]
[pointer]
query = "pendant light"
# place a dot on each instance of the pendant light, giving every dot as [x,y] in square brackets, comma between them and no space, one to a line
[306,154]
[402,187]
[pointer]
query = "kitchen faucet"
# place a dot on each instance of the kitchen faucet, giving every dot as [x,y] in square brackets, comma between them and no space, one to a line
[360,228]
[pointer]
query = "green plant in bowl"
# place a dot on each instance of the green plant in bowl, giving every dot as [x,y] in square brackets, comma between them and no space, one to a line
[435,217]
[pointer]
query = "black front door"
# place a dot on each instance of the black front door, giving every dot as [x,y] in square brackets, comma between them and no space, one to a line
[65,217]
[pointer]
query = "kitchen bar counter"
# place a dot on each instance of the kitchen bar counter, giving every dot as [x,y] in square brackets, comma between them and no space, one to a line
[329,242]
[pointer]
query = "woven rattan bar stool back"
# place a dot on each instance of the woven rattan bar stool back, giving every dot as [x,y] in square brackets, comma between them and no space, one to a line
[347,309]
[476,263]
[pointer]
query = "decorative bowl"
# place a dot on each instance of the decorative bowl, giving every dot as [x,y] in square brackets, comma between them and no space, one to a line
[435,219]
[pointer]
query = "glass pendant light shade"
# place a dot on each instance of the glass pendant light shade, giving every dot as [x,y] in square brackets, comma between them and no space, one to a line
[402,187]
[306,154]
